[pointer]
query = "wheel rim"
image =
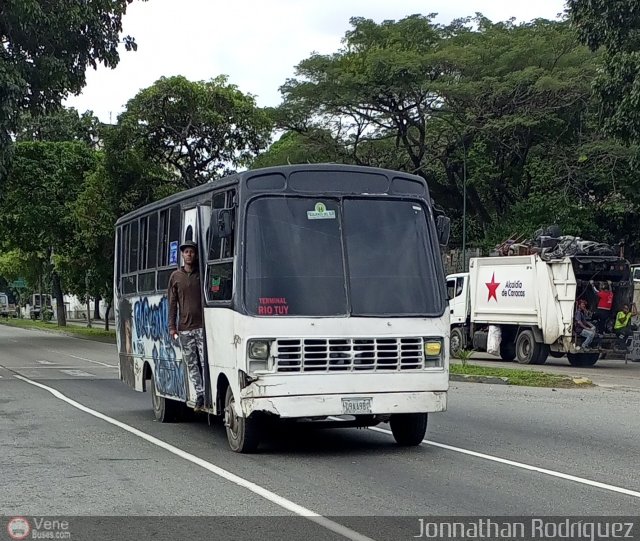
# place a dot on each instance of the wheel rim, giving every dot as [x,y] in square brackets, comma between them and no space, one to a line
[455,342]
[231,419]
[526,349]
[155,399]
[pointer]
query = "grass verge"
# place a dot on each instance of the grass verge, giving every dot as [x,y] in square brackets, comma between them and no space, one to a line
[98,334]
[527,378]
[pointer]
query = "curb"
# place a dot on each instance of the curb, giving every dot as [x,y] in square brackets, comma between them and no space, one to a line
[473,378]
[479,379]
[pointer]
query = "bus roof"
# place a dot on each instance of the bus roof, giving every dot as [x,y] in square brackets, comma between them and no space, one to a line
[285,170]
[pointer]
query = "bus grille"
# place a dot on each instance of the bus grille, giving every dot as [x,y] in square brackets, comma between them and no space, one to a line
[348,355]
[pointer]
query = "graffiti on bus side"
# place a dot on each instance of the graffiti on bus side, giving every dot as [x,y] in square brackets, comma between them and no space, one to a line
[144,332]
[170,375]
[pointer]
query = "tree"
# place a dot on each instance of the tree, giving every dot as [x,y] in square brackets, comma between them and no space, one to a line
[37,198]
[437,100]
[294,147]
[62,124]
[614,25]
[197,130]
[45,48]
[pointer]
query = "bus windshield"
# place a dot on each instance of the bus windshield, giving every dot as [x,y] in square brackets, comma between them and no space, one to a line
[326,257]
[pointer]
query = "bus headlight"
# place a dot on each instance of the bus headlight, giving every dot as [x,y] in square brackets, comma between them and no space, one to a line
[433,352]
[258,350]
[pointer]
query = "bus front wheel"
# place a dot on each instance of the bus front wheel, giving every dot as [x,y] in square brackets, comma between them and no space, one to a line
[409,428]
[243,433]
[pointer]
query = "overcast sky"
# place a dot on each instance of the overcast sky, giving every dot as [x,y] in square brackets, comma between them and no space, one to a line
[257,43]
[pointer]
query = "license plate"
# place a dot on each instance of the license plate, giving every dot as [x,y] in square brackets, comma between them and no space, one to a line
[356,406]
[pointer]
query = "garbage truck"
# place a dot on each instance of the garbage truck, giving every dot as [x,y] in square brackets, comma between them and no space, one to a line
[523,307]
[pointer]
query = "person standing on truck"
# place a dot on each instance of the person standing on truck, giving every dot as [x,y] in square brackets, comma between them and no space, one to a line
[184,293]
[583,327]
[623,327]
[605,304]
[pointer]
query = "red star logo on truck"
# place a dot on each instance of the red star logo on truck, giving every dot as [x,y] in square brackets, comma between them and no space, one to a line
[493,288]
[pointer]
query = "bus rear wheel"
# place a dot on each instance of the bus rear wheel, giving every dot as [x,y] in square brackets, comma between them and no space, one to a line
[164,409]
[409,428]
[243,433]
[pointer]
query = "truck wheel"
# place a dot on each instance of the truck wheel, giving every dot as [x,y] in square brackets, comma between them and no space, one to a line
[527,349]
[583,359]
[409,428]
[165,409]
[507,351]
[457,341]
[243,433]
[543,355]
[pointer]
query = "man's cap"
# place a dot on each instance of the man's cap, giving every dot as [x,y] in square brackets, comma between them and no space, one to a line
[188,244]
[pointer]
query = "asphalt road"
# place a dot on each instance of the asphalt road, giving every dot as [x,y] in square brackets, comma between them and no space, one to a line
[498,450]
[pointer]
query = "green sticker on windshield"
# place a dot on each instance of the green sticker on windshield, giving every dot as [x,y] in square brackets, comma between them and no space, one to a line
[321,213]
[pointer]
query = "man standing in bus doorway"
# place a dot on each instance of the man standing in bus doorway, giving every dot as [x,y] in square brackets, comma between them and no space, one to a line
[185,297]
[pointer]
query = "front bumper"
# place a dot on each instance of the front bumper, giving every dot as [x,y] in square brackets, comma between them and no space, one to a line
[332,404]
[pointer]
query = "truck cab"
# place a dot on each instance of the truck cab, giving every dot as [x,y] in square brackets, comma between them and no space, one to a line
[458,295]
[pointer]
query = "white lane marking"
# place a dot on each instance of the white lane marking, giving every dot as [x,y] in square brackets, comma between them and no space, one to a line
[83,358]
[56,367]
[0,377]
[256,489]
[523,466]
[45,362]
[79,373]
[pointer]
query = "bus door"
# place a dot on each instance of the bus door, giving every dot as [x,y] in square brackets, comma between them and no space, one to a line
[191,227]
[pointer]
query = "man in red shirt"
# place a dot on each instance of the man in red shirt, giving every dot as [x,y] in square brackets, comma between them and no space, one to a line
[605,305]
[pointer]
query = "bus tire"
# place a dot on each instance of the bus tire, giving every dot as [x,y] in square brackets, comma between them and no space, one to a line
[457,341]
[527,349]
[409,429]
[583,359]
[164,409]
[243,433]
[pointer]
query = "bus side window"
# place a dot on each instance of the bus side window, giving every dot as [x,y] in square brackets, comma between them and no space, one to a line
[221,252]
[215,246]
[220,286]
[133,247]
[152,250]
[163,239]
[175,221]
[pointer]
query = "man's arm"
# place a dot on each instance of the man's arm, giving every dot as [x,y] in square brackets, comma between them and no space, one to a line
[173,306]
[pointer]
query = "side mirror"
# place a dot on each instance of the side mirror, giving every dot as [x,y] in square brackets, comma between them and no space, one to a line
[220,223]
[443,226]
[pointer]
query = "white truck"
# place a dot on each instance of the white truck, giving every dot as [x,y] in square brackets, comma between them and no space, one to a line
[532,302]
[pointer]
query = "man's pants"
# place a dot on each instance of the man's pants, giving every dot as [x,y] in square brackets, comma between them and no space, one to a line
[192,350]
[602,316]
[589,335]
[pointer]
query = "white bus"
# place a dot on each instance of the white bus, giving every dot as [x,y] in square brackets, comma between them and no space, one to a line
[323,293]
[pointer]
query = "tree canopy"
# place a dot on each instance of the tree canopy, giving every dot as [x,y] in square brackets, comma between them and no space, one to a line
[614,26]
[199,129]
[45,48]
